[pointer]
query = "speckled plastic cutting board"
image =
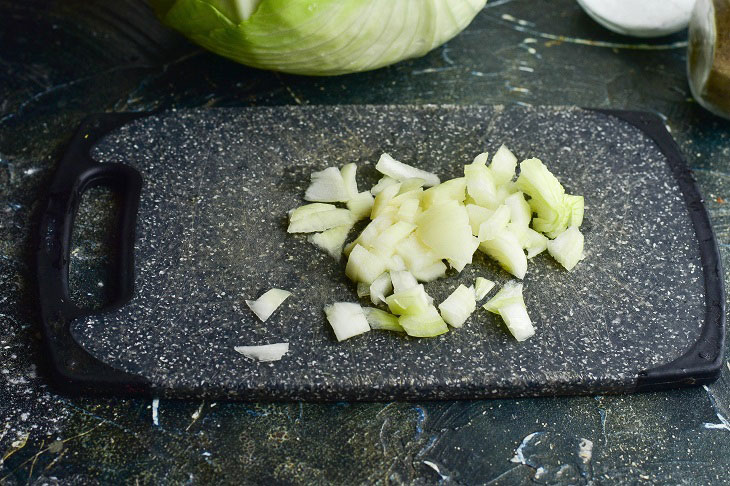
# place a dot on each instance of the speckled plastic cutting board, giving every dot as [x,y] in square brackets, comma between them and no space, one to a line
[211,232]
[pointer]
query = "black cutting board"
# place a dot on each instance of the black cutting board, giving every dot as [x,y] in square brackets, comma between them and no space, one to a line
[643,310]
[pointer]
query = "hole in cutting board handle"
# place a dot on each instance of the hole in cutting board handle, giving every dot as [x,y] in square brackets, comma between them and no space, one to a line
[100,257]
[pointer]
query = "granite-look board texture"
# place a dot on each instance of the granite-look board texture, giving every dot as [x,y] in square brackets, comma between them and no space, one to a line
[212,232]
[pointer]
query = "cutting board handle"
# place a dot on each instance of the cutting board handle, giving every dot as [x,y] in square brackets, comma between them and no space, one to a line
[70,365]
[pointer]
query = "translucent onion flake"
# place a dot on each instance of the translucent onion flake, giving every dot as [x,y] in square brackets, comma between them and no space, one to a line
[266,352]
[265,305]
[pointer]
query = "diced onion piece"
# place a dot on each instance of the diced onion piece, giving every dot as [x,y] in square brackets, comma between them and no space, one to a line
[384,182]
[379,319]
[477,216]
[397,170]
[482,287]
[481,159]
[517,320]
[451,190]
[360,205]
[411,184]
[266,352]
[382,199]
[308,209]
[315,221]
[429,273]
[458,306]
[363,265]
[380,287]
[363,289]
[503,165]
[567,248]
[470,246]
[534,242]
[387,240]
[428,323]
[510,293]
[519,210]
[415,254]
[445,229]
[576,209]
[411,302]
[547,197]
[408,210]
[331,240]
[396,263]
[406,196]
[481,186]
[495,224]
[265,305]
[403,281]
[349,177]
[506,249]
[327,186]
[347,320]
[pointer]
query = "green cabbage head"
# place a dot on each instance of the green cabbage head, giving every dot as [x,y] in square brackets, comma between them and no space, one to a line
[318,37]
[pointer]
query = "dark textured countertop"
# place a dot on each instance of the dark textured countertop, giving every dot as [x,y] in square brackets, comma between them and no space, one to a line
[62,60]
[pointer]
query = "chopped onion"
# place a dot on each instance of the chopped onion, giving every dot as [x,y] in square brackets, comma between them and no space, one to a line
[458,306]
[384,182]
[363,289]
[360,205]
[388,239]
[496,223]
[503,165]
[266,352]
[567,248]
[349,177]
[409,210]
[380,287]
[519,210]
[370,233]
[576,209]
[510,305]
[265,305]
[363,265]
[510,293]
[477,216]
[347,320]
[430,273]
[320,220]
[506,249]
[397,170]
[411,302]
[428,323]
[327,186]
[517,320]
[482,287]
[397,263]
[331,240]
[403,281]
[411,184]
[379,319]
[481,159]
[445,229]
[383,198]
[534,242]
[453,189]
[547,197]
[415,254]
[480,185]
[303,212]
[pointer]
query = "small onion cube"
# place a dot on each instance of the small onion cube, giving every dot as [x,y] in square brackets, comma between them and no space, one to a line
[458,306]
[347,320]
[387,165]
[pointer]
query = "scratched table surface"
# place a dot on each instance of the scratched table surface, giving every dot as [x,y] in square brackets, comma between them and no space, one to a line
[61,60]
